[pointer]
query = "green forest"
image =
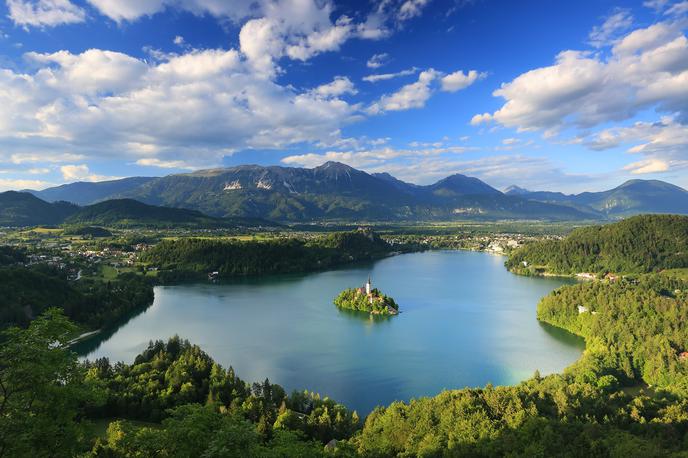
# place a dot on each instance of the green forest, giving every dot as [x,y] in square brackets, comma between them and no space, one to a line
[175,401]
[25,292]
[641,244]
[195,257]
[626,396]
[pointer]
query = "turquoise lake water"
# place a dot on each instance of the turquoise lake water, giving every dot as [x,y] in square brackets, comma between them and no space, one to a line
[465,321]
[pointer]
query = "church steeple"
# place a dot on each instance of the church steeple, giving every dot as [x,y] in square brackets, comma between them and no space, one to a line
[369,286]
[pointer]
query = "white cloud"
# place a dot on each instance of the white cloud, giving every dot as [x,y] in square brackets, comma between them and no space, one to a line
[81,173]
[341,85]
[178,40]
[655,4]
[131,10]
[44,13]
[378,60]
[678,9]
[415,95]
[460,80]
[427,165]
[388,76]
[370,158]
[204,104]
[38,171]
[7,184]
[647,166]
[605,34]
[411,8]
[412,95]
[664,144]
[646,68]
[154,162]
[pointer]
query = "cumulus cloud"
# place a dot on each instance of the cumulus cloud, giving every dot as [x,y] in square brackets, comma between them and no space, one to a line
[130,10]
[44,13]
[460,80]
[647,68]
[664,144]
[412,95]
[415,95]
[205,103]
[341,85]
[81,173]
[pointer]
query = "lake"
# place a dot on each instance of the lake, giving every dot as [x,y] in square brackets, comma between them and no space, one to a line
[465,321]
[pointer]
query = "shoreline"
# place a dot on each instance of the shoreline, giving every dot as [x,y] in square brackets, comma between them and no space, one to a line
[83,336]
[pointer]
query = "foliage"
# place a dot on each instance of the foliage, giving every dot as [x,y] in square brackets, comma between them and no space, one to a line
[92,231]
[637,329]
[173,374]
[179,258]
[194,430]
[24,209]
[640,244]
[378,303]
[27,292]
[11,255]
[42,390]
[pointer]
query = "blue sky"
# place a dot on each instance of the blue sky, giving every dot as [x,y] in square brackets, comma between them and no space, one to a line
[556,95]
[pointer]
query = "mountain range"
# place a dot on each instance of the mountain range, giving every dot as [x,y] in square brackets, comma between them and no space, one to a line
[335,191]
[630,198]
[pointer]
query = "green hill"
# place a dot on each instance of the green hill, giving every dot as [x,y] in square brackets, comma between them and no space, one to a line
[129,212]
[24,209]
[639,244]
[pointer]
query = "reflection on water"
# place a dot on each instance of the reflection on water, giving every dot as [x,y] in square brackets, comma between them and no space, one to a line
[465,321]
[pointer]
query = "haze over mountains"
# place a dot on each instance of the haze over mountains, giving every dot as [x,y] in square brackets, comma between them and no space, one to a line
[335,191]
[630,198]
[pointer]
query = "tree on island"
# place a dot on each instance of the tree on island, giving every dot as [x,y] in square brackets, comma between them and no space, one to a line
[367,299]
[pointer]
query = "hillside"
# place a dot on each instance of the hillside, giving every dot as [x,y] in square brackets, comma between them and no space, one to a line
[129,212]
[86,193]
[24,209]
[189,258]
[640,244]
[631,198]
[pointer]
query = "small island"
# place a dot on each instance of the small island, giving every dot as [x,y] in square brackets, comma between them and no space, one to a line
[367,299]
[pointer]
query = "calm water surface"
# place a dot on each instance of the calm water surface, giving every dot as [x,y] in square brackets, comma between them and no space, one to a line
[466,321]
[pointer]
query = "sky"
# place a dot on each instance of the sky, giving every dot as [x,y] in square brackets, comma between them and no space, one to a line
[547,95]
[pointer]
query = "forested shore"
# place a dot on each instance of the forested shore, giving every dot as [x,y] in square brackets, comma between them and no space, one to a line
[626,396]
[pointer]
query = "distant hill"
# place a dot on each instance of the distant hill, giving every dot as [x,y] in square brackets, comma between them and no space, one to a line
[24,209]
[631,198]
[639,244]
[86,193]
[129,212]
